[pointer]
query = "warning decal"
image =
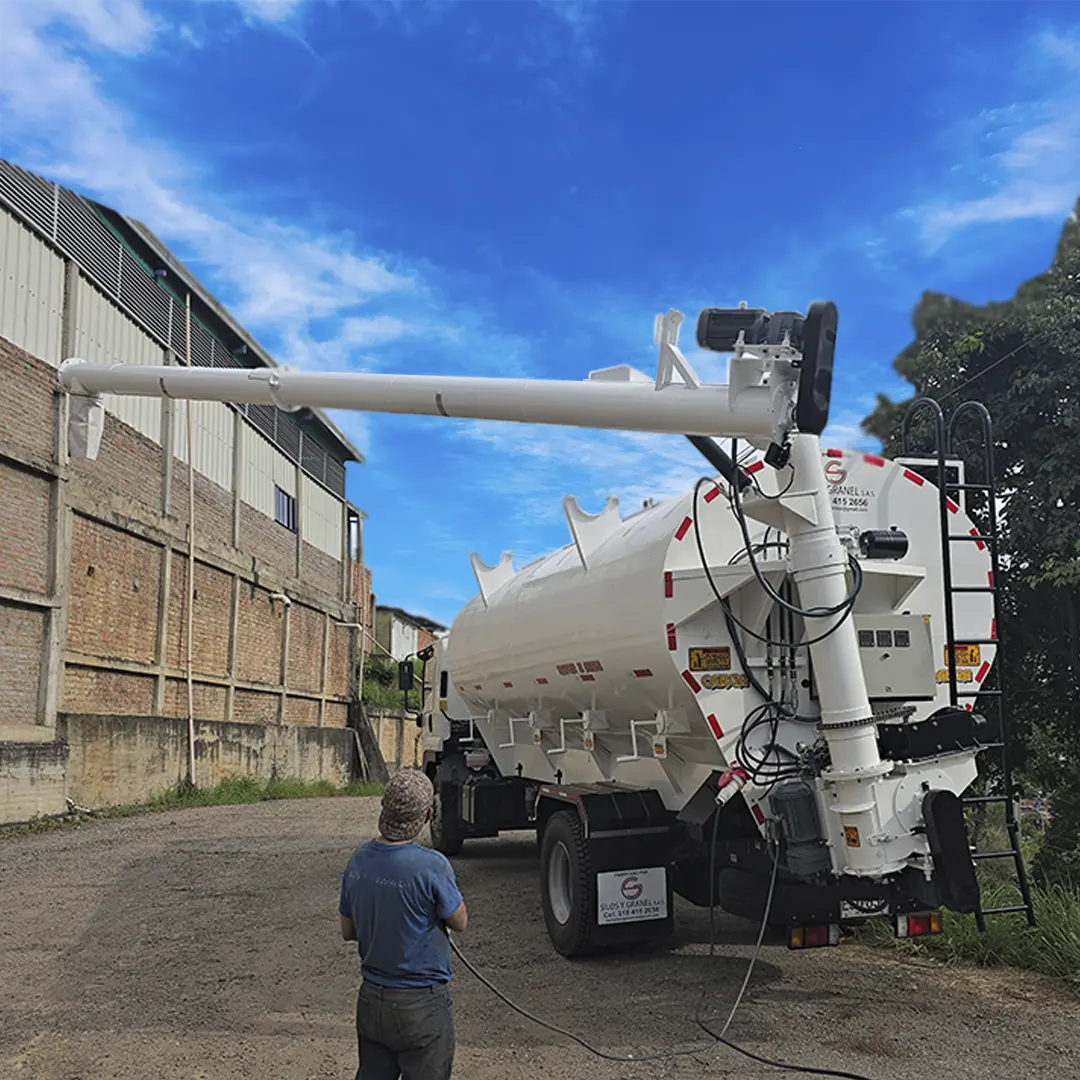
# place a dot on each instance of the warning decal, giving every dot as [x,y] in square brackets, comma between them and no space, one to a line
[631,895]
[851,836]
[718,659]
[966,655]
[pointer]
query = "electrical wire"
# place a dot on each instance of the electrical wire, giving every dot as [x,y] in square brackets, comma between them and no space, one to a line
[843,607]
[660,1055]
[682,1051]
[746,552]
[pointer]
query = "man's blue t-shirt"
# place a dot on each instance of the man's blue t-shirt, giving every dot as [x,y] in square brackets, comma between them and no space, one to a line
[397,896]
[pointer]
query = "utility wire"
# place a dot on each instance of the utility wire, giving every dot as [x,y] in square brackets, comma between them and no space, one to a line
[996,363]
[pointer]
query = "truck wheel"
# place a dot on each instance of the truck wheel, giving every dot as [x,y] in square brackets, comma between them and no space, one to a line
[567,885]
[447,834]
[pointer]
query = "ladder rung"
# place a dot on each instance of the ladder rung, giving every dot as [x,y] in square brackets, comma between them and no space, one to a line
[968,487]
[1004,910]
[972,799]
[973,588]
[994,854]
[978,693]
[979,641]
[977,537]
[991,745]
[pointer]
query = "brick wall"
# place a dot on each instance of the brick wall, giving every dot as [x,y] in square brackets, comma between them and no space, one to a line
[321,571]
[27,405]
[24,529]
[127,462]
[259,634]
[21,632]
[211,617]
[112,588]
[113,594]
[213,507]
[267,541]
[100,690]
[304,670]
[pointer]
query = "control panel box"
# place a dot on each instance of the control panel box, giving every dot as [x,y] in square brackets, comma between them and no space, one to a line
[897,653]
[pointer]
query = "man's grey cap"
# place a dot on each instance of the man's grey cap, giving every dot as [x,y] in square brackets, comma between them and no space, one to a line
[407,798]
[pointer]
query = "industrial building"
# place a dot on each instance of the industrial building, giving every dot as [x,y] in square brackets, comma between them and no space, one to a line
[401,635]
[108,660]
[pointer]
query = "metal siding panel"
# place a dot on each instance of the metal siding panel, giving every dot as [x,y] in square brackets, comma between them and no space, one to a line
[105,335]
[31,292]
[322,519]
[257,487]
[283,471]
[212,433]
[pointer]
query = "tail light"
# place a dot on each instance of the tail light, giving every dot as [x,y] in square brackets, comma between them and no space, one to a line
[813,937]
[909,926]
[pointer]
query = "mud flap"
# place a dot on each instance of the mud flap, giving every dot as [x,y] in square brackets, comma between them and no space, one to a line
[954,869]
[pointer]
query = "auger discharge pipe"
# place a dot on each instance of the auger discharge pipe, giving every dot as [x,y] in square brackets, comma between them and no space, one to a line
[754,412]
[819,564]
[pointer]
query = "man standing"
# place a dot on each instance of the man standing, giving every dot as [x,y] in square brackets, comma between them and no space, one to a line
[397,901]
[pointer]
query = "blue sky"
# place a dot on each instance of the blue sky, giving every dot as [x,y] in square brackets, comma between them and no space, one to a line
[518,188]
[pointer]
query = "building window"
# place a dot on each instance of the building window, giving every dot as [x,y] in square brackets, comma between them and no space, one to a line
[354,536]
[285,509]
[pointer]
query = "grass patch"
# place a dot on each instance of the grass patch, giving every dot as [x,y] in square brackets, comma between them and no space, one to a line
[230,792]
[1052,947]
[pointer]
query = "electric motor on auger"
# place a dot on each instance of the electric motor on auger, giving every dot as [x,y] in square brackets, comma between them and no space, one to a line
[745,683]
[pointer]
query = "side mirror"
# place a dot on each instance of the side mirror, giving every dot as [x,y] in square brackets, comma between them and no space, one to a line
[405,676]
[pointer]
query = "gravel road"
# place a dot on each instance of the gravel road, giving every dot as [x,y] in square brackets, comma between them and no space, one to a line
[203,945]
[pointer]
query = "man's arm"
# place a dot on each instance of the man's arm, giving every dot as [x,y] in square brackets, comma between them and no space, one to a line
[348,931]
[458,920]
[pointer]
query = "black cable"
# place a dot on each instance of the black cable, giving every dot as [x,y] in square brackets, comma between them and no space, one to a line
[687,1051]
[723,600]
[845,605]
[658,1056]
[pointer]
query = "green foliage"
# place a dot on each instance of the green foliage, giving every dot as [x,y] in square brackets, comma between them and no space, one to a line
[380,686]
[1021,358]
[1051,947]
[230,792]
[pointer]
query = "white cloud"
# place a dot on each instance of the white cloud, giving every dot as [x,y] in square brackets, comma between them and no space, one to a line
[276,276]
[1026,154]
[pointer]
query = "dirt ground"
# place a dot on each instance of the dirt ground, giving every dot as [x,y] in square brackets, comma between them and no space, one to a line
[203,945]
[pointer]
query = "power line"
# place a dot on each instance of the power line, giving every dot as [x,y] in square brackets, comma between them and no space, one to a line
[996,363]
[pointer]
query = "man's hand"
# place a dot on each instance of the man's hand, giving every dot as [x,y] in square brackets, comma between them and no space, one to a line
[348,931]
[458,920]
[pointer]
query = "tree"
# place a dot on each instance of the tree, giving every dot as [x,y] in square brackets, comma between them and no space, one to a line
[1021,357]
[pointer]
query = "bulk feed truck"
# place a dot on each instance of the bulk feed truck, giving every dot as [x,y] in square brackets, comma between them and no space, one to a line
[746,694]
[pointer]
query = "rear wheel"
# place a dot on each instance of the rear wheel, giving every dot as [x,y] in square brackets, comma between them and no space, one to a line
[447,828]
[567,885]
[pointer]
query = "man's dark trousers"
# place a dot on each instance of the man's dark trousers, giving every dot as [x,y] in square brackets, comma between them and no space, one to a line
[404,1032]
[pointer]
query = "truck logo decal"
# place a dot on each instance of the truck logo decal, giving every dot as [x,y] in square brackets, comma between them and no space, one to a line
[835,473]
[734,681]
[631,888]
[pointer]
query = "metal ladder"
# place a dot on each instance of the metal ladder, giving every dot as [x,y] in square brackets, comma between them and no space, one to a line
[944,447]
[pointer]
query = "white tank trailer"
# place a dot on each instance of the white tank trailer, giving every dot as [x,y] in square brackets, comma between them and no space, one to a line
[747,684]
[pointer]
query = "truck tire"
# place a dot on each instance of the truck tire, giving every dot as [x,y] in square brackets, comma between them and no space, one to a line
[567,885]
[447,828]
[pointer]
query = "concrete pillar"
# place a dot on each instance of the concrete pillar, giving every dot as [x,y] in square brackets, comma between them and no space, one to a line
[234,619]
[325,668]
[300,516]
[284,662]
[168,445]
[51,681]
[164,599]
[237,474]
